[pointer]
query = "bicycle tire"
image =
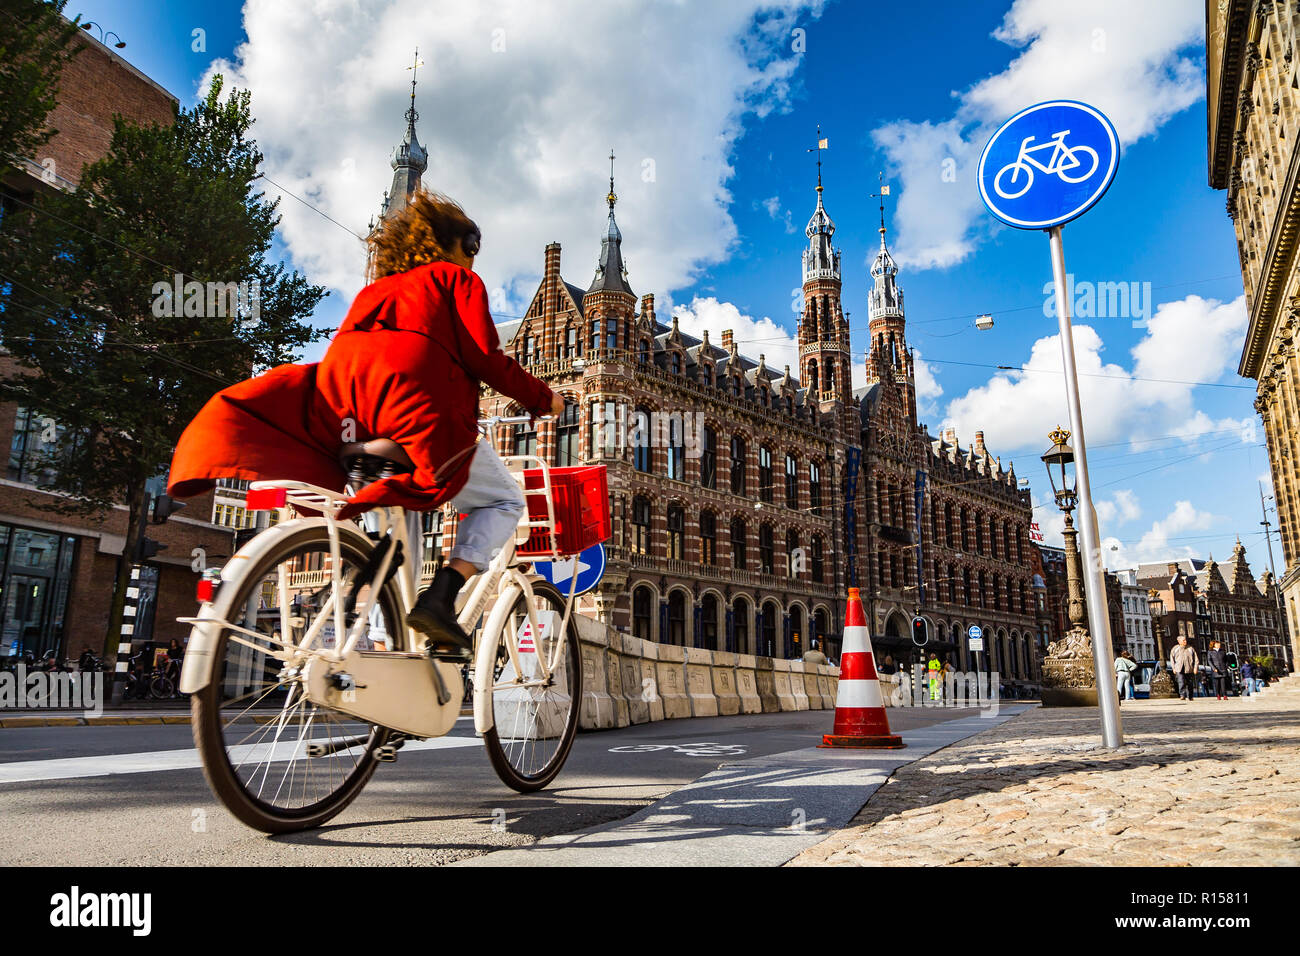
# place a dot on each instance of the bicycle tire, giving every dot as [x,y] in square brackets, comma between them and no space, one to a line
[205,703]
[500,757]
[160,688]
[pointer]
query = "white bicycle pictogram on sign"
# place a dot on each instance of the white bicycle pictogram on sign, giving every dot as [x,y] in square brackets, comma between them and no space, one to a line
[1062,159]
[690,750]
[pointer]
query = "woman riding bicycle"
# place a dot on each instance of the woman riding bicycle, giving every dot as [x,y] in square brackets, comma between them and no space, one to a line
[405,365]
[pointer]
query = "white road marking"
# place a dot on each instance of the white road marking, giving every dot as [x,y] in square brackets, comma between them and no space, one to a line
[67,768]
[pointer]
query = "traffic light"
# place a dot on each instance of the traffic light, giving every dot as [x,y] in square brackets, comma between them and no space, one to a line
[146,548]
[920,632]
[164,506]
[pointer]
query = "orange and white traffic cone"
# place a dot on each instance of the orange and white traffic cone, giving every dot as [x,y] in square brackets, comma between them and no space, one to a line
[860,719]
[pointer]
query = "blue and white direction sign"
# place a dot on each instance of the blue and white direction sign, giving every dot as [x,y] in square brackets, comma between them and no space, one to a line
[975,637]
[588,567]
[1048,164]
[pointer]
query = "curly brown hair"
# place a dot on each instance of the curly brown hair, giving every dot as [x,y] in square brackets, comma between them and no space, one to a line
[424,231]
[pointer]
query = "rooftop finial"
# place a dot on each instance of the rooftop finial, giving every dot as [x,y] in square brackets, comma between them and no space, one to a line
[612,197]
[411,114]
[822,143]
[884,191]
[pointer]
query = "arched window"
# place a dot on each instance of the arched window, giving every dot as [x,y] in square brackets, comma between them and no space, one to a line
[798,637]
[676,457]
[640,439]
[708,637]
[642,602]
[795,566]
[765,549]
[677,617]
[708,538]
[767,630]
[524,439]
[791,482]
[820,627]
[566,436]
[641,525]
[817,561]
[815,487]
[740,625]
[676,532]
[737,465]
[812,379]
[709,459]
[765,473]
[738,543]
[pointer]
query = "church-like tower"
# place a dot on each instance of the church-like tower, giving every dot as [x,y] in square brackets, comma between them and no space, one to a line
[888,353]
[823,330]
[609,303]
[409,162]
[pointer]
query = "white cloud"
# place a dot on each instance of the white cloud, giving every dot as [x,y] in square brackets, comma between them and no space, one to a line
[519,105]
[1120,508]
[1122,57]
[754,337]
[1186,341]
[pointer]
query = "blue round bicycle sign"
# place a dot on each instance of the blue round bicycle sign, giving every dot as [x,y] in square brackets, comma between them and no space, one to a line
[1048,164]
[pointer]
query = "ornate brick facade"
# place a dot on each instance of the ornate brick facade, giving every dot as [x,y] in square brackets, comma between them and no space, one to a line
[1253,105]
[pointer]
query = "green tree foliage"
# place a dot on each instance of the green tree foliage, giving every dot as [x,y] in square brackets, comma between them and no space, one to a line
[118,366]
[35,43]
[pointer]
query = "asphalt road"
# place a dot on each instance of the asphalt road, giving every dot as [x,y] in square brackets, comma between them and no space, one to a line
[73,796]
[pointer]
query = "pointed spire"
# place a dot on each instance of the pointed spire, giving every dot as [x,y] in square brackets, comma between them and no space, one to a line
[410,159]
[821,259]
[885,298]
[610,269]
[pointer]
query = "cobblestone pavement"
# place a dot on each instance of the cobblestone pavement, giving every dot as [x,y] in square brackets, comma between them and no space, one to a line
[1207,782]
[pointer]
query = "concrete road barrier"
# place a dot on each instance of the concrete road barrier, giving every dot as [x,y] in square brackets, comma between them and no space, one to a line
[627,680]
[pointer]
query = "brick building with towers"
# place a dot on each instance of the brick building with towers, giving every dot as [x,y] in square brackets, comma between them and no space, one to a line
[746,498]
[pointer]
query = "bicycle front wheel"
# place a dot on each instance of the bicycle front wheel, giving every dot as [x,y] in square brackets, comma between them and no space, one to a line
[533,721]
[278,761]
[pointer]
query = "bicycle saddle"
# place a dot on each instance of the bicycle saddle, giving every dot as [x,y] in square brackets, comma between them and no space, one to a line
[382,448]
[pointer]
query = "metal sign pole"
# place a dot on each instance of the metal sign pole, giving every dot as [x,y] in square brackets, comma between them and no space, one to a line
[1094,578]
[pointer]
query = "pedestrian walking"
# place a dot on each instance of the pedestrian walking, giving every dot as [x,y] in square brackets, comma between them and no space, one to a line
[935,670]
[1217,658]
[1186,666]
[1124,668]
[1247,678]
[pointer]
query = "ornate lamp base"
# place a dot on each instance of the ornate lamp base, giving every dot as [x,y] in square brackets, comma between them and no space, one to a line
[1069,675]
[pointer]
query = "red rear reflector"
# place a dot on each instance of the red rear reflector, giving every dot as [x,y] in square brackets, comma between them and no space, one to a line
[205,590]
[264,499]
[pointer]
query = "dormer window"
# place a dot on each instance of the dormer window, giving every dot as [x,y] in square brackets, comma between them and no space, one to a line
[677,363]
[644,352]
[571,342]
[530,346]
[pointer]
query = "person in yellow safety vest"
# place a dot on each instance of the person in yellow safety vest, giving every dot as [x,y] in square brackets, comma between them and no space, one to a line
[935,670]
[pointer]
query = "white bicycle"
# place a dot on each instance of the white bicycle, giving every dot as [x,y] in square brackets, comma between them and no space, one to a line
[1061,162]
[305,677]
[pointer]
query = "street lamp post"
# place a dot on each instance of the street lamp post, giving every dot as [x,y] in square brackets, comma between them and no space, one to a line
[1079,666]
[1161,684]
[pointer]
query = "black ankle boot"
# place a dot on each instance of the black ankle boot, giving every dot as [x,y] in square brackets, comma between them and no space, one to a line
[434,616]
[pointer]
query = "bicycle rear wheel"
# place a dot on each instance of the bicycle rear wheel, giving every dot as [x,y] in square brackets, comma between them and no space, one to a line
[533,726]
[278,761]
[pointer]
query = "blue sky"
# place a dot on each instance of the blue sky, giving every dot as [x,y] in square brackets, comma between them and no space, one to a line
[519,108]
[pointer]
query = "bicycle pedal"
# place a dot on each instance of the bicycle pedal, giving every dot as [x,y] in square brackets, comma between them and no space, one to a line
[386,754]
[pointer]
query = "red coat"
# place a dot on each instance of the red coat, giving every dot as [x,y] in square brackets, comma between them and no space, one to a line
[405,364]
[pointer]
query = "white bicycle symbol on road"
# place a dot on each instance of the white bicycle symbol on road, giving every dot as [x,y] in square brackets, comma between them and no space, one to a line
[1062,160]
[690,750]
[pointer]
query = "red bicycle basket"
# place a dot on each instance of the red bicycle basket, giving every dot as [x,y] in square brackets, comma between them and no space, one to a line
[581,509]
